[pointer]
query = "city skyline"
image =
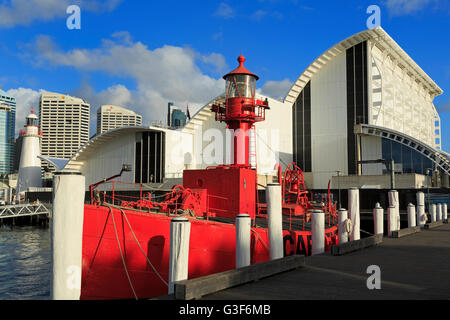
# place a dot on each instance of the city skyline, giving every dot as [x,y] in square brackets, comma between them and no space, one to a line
[182,59]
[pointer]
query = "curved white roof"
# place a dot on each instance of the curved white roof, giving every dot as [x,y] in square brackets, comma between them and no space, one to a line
[383,41]
[92,145]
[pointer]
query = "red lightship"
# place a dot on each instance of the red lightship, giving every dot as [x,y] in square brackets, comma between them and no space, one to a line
[126,242]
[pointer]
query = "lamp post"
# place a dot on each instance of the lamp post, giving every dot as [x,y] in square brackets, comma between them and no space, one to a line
[339,188]
[427,172]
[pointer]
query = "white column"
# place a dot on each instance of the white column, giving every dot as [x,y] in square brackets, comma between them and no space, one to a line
[243,223]
[411,215]
[394,202]
[353,212]
[444,211]
[391,219]
[67,234]
[274,216]
[342,226]
[433,212]
[439,212]
[421,216]
[378,219]
[318,232]
[180,229]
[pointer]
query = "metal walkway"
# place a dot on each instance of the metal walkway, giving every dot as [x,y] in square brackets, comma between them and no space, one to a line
[23,210]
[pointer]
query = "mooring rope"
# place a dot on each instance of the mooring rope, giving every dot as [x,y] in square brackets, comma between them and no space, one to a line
[120,249]
[262,241]
[142,250]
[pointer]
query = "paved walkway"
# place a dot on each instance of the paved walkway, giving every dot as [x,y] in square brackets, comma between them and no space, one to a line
[412,267]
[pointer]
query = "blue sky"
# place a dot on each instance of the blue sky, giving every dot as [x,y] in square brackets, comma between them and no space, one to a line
[142,54]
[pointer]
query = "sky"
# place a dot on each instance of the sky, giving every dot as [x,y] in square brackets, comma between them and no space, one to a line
[143,54]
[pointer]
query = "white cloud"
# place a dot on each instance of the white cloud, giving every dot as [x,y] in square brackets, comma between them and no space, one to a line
[444,107]
[25,100]
[404,7]
[161,75]
[26,12]
[276,89]
[225,11]
[262,15]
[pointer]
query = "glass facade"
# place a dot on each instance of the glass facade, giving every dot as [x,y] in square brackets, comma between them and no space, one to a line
[301,115]
[149,157]
[357,99]
[406,159]
[7,128]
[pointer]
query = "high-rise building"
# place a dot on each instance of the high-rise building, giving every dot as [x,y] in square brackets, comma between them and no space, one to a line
[175,117]
[7,128]
[112,117]
[64,121]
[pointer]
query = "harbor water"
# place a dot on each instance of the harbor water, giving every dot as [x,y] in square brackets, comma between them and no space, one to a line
[25,263]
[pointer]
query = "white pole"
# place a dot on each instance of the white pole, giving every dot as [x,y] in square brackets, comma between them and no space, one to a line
[180,229]
[318,232]
[67,234]
[421,216]
[394,202]
[273,200]
[411,215]
[391,219]
[439,212]
[433,212]
[444,211]
[378,219]
[353,212]
[243,223]
[342,226]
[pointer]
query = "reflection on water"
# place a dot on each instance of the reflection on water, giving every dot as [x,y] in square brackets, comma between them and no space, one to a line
[24,263]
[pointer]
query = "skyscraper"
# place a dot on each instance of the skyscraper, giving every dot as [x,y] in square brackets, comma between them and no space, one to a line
[7,128]
[112,117]
[175,117]
[64,121]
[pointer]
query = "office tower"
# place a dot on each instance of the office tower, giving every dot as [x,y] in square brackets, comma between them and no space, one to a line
[64,121]
[7,128]
[175,117]
[112,117]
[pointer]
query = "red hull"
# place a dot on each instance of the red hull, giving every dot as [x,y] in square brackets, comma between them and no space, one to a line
[212,250]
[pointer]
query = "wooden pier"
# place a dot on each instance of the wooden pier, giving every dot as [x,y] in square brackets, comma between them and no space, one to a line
[415,266]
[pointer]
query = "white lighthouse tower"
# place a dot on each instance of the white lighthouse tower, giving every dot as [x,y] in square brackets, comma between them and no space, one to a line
[30,164]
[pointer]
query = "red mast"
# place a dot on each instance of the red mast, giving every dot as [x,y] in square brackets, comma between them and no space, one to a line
[241,109]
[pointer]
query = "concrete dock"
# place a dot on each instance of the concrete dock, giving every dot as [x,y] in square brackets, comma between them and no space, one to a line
[416,266]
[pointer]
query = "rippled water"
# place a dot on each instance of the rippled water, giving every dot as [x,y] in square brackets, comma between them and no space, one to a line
[24,263]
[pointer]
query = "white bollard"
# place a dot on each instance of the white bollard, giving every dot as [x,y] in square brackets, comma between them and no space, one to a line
[394,201]
[67,234]
[343,226]
[444,211]
[353,212]
[180,229]
[439,212]
[243,224]
[433,212]
[378,219]
[391,220]
[274,216]
[421,216]
[411,215]
[318,232]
